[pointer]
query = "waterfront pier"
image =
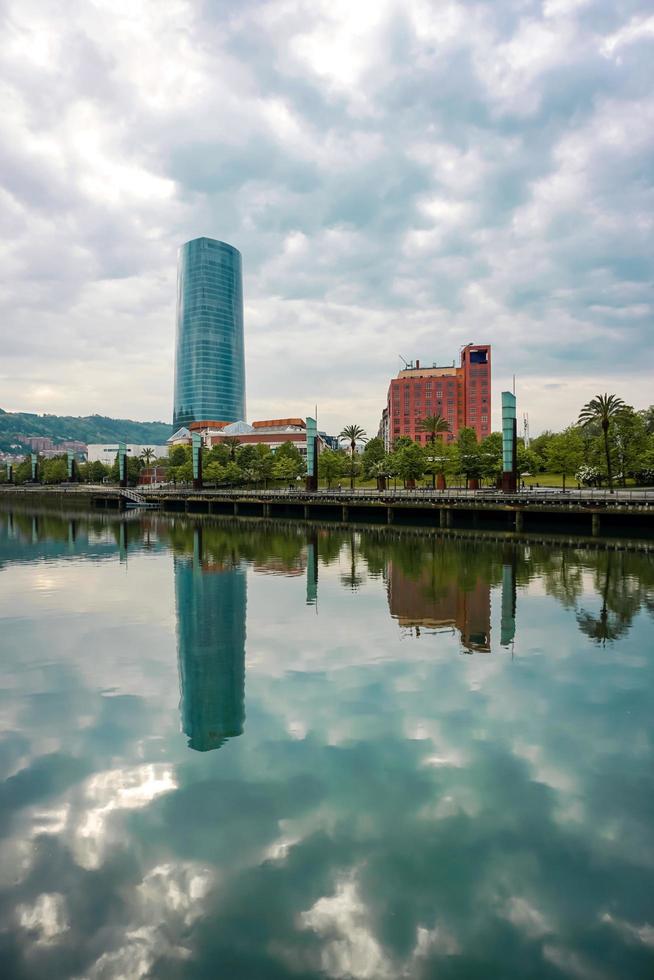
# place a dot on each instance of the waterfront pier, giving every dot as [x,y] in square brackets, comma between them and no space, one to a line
[586,512]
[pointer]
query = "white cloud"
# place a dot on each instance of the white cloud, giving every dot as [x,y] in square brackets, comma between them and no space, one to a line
[638,28]
[46,918]
[350,949]
[399,177]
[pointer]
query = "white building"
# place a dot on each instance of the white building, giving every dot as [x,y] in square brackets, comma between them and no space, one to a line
[106,452]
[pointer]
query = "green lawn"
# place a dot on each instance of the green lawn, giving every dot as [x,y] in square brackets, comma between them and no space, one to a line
[550,480]
[542,479]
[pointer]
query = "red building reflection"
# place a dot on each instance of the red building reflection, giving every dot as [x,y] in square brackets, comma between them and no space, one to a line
[420,602]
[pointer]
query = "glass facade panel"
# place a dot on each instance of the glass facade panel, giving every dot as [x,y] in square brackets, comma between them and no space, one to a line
[209,354]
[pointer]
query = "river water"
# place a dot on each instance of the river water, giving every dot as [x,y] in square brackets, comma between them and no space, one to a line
[237,749]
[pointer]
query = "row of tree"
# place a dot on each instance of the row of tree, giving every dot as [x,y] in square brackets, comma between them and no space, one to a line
[55,470]
[610,441]
[230,463]
[409,462]
[622,581]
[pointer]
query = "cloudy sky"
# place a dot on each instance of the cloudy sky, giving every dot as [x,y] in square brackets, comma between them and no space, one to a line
[401,178]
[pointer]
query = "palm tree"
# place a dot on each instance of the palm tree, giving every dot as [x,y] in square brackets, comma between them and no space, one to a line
[147,455]
[618,606]
[232,443]
[353,578]
[602,409]
[353,434]
[432,425]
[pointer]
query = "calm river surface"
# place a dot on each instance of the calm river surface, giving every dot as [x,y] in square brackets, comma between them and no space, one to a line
[244,750]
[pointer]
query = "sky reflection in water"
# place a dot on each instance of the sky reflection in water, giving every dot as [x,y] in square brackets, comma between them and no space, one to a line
[247,750]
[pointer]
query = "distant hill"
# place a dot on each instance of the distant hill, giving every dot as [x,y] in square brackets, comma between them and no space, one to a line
[16,426]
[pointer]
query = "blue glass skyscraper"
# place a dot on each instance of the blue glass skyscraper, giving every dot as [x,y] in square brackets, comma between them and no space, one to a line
[209,355]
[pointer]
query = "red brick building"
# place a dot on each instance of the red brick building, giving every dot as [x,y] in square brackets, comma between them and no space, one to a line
[462,395]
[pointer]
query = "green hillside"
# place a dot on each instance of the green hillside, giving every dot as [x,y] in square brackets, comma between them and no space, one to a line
[90,428]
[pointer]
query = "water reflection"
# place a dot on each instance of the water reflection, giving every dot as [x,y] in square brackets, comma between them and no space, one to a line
[509,599]
[434,583]
[211,606]
[392,809]
[432,599]
[621,598]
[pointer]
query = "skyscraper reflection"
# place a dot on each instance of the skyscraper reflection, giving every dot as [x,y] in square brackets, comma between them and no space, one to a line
[211,604]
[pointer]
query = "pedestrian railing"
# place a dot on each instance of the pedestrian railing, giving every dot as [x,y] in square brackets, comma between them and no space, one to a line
[419,495]
[453,495]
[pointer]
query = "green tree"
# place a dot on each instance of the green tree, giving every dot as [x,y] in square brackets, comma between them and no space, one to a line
[133,470]
[371,456]
[438,459]
[213,472]
[23,471]
[353,434]
[178,455]
[383,468]
[184,473]
[602,409]
[246,456]
[564,452]
[97,471]
[539,443]
[247,460]
[147,456]
[645,473]
[54,470]
[331,464]
[647,415]
[630,442]
[526,460]
[410,463]
[220,453]
[468,455]
[265,466]
[433,425]
[288,453]
[232,443]
[286,469]
[233,474]
[491,455]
